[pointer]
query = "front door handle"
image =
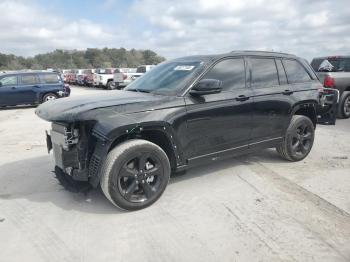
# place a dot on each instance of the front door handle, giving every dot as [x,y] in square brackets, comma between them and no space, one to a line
[242,98]
[287,92]
[13,87]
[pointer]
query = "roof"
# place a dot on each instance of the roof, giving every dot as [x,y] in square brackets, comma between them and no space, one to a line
[208,58]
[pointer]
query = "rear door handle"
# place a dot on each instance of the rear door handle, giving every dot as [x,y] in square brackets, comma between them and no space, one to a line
[242,98]
[287,92]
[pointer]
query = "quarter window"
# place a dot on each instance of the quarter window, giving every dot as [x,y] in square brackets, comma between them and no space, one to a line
[50,78]
[8,81]
[230,71]
[296,73]
[264,72]
[29,80]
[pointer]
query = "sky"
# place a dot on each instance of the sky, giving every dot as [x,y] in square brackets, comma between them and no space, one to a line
[175,28]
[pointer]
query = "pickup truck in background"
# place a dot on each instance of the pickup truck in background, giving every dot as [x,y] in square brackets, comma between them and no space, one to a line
[104,78]
[83,75]
[125,76]
[334,72]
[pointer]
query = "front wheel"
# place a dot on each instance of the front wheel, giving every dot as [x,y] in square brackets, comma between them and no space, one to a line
[298,140]
[135,174]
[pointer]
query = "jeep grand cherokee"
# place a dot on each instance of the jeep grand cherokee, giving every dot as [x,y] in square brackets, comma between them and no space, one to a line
[185,112]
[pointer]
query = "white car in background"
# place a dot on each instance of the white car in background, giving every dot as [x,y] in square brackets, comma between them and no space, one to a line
[104,78]
[125,76]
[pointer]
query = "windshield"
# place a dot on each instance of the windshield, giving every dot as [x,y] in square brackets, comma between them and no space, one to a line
[166,78]
[331,65]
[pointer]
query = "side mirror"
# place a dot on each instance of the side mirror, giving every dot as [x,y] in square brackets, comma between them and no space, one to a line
[206,87]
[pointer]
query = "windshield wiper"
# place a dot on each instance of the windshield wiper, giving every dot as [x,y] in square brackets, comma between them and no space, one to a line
[139,90]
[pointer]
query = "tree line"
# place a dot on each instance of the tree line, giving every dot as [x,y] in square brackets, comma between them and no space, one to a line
[74,59]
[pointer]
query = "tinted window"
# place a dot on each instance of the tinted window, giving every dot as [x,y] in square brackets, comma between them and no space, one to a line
[8,81]
[29,80]
[264,72]
[281,72]
[50,78]
[296,73]
[231,72]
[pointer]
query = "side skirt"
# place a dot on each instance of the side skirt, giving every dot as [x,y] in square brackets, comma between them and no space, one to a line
[231,152]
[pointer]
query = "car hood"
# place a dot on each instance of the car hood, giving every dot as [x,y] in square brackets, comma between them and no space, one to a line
[80,108]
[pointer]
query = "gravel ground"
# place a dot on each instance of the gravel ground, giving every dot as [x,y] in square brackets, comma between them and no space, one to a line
[252,208]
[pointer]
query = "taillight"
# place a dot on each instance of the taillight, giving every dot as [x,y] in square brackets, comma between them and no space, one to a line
[125,76]
[328,82]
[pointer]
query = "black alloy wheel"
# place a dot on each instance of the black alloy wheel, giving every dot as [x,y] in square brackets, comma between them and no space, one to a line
[135,174]
[140,177]
[302,140]
[298,140]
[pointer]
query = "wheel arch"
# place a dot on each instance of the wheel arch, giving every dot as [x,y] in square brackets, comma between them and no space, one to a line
[347,88]
[306,109]
[41,95]
[162,135]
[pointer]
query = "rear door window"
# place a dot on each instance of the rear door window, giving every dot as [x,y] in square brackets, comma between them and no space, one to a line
[296,73]
[264,72]
[230,71]
[8,81]
[281,73]
[50,78]
[29,79]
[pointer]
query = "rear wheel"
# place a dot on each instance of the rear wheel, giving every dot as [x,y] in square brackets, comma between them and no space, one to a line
[344,106]
[135,174]
[49,97]
[298,139]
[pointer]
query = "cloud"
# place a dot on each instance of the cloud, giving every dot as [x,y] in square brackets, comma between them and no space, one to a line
[27,29]
[307,28]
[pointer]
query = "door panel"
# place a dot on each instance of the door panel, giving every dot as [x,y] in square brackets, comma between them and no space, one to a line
[28,88]
[8,90]
[273,98]
[218,122]
[272,106]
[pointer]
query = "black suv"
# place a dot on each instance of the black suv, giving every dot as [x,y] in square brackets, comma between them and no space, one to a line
[185,112]
[19,88]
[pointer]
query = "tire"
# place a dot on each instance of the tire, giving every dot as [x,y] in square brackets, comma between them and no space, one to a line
[49,97]
[344,105]
[135,174]
[110,85]
[298,140]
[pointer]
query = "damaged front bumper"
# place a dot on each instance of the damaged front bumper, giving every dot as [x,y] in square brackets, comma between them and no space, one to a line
[63,140]
[78,152]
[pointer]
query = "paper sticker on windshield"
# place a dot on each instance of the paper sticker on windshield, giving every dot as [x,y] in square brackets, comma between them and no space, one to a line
[184,68]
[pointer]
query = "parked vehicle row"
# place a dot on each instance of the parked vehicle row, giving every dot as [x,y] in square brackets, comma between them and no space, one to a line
[107,78]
